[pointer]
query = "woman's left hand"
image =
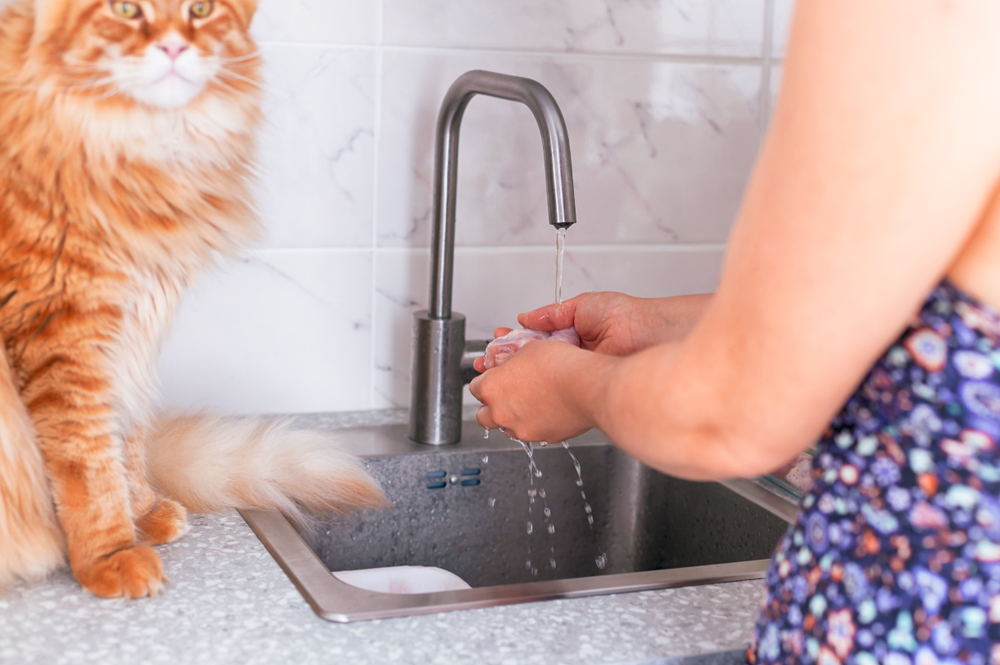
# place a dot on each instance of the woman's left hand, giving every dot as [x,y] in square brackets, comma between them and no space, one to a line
[546,391]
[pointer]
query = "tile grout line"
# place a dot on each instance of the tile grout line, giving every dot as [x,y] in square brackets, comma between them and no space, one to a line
[261,252]
[379,28]
[678,58]
[574,249]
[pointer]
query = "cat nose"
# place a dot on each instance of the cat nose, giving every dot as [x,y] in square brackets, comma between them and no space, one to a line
[173,48]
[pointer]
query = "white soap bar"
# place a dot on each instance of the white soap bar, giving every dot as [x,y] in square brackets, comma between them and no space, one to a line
[504,347]
[403,579]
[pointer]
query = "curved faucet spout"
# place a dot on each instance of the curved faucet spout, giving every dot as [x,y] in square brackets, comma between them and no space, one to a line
[558,167]
[438,333]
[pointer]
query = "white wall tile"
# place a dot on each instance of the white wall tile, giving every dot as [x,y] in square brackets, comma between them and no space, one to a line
[691,27]
[661,151]
[492,285]
[317,147]
[783,11]
[317,21]
[281,332]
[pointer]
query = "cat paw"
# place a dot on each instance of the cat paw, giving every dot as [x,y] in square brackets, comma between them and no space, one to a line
[134,572]
[164,523]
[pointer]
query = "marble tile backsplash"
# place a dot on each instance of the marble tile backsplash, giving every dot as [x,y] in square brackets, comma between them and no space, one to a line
[666,102]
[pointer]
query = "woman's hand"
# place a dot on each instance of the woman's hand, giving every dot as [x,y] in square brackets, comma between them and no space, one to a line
[615,324]
[547,391]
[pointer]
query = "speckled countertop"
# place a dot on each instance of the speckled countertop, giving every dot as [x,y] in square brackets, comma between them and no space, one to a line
[229,602]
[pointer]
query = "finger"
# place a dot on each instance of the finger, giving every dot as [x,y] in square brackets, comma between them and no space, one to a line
[479,364]
[484,419]
[500,332]
[474,387]
[551,317]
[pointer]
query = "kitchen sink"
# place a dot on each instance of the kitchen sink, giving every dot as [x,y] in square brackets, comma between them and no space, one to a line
[480,510]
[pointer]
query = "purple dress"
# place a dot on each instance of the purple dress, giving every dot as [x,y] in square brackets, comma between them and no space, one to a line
[895,555]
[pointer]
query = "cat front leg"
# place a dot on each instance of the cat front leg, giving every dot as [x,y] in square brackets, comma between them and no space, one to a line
[68,396]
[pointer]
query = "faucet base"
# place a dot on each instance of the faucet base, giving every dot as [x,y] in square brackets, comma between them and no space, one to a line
[436,380]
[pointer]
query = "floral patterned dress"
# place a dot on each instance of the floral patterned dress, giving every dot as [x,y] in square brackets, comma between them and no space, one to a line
[895,555]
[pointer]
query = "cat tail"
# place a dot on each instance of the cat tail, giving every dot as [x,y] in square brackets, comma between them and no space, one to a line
[208,463]
[31,542]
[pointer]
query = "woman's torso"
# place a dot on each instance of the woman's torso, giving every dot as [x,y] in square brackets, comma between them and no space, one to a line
[895,556]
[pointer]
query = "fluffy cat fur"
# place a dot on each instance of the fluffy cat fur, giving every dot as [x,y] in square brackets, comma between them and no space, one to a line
[126,150]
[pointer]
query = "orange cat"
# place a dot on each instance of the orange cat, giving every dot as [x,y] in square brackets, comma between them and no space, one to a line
[126,145]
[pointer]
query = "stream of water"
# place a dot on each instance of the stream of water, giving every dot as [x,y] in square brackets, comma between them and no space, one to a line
[560,251]
[601,560]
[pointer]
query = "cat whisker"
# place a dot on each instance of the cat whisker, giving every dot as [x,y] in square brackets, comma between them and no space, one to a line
[241,58]
[228,85]
[239,77]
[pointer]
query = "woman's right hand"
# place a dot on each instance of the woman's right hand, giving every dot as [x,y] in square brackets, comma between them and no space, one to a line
[619,325]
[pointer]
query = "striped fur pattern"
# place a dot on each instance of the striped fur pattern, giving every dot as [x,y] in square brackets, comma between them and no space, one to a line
[126,151]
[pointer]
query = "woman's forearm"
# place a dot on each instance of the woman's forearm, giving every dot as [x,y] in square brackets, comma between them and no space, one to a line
[672,319]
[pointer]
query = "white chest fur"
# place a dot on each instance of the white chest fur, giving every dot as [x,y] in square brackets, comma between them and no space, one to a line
[147,316]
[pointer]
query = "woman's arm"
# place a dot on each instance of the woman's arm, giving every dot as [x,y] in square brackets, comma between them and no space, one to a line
[883,153]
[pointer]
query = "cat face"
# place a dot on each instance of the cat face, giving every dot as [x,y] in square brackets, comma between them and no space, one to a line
[160,53]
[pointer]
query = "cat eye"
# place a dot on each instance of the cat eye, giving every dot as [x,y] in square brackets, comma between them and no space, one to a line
[202,9]
[126,9]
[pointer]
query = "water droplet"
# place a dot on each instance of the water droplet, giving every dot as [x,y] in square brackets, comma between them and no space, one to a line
[532,492]
[486,434]
[601,560]
[587,509]
[486,458]
[548,513]
[552,562]
[454,479]
[534,571]
[590,519]
[579,482]
[531,527]
[583,495]
[538,473]
[543,443]
[541,492]
[527,564]
[552,528]
[492,501]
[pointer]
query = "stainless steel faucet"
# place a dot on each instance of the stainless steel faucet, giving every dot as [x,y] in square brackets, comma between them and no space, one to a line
[438,333]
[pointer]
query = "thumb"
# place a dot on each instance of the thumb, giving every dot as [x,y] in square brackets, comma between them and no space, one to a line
[550,317]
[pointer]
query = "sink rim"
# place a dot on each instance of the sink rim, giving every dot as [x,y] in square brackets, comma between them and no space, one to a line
[340,602]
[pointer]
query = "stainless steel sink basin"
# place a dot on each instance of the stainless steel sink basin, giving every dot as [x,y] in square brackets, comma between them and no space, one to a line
[467,509]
